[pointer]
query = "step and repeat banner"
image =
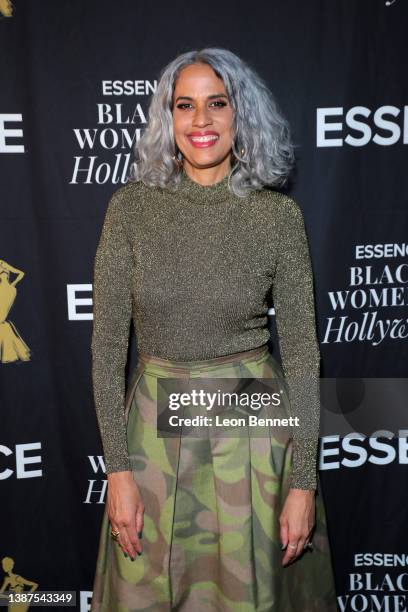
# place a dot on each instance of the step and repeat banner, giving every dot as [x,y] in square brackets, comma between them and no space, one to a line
[75,84]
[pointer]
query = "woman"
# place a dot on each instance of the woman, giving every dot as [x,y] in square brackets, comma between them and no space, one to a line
[193,248]
[15,583]
[12,346]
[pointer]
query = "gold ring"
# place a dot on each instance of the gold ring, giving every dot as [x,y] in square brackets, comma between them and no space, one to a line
[114,534]
[292,545]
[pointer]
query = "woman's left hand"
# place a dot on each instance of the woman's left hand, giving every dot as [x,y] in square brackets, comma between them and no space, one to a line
[296,522]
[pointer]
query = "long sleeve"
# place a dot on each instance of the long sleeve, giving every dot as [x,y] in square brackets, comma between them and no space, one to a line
[293,299]
[112,311]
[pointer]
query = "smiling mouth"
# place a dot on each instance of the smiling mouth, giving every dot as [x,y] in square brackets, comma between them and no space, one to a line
[208,140]
[203,138]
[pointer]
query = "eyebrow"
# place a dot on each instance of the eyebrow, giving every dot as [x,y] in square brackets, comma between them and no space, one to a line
[220,95]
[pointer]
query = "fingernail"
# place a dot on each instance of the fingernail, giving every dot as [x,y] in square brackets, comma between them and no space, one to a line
[125,554]
[140,534]
[139,553]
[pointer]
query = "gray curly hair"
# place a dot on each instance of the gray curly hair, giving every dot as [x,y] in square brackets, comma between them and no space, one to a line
[259,127]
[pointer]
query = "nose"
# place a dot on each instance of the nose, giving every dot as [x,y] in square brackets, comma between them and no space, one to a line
[201,116]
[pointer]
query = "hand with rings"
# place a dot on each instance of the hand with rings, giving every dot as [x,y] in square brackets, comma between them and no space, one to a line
[125,512]
[297,521]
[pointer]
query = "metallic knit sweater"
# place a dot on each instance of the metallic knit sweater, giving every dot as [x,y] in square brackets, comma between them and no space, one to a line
[194,268]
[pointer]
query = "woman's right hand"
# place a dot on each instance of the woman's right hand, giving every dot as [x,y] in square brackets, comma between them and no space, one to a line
[125,511]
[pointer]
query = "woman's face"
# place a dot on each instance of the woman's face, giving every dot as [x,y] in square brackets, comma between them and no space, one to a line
[202,117]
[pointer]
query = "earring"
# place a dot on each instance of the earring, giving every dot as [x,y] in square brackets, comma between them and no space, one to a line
[242,153]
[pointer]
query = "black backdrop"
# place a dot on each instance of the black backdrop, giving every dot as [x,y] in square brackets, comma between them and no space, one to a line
[338,70]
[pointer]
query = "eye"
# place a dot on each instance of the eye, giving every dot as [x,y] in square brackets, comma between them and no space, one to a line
[216,104]
[219,103]
[183,105]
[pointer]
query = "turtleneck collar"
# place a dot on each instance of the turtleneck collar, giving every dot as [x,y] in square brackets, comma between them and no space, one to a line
[203,194]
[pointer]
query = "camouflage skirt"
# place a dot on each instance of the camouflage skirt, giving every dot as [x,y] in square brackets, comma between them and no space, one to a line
[212,503]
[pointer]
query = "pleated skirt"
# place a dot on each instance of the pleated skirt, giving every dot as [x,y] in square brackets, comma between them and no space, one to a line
[211,537]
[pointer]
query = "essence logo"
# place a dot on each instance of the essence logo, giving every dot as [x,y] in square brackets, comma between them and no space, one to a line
[74,302]
[21,461]
[363,121]
[356,449]
[85,598]
[7,133]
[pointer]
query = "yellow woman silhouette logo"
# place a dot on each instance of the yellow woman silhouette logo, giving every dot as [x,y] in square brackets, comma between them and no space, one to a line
[15,584]
[12,346]
[6,8]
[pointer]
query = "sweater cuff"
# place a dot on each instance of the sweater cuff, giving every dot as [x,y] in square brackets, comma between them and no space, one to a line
[117,465]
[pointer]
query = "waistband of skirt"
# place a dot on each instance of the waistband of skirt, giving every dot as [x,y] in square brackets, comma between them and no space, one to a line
[258,353]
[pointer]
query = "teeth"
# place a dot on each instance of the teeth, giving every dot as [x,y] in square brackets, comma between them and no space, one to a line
[203,138]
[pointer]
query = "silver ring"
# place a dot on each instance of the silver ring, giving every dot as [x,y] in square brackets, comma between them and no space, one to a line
[308,545]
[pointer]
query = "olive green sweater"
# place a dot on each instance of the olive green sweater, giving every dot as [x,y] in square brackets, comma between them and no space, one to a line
[194,269]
